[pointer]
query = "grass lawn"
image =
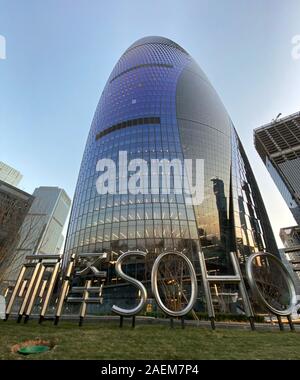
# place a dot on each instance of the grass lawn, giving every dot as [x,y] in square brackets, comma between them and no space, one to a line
[108,341]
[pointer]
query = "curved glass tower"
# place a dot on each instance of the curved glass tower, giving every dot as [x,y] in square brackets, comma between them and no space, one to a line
[157,104]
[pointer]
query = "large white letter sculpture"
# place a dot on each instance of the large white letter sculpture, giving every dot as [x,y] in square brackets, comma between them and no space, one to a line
[237,278]
[130,312]
[265,260]
[194,285]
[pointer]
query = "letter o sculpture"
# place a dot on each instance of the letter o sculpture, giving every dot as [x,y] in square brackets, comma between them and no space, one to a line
[286,276]
[194,285]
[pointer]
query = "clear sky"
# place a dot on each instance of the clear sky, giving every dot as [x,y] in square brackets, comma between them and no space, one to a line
[61,52]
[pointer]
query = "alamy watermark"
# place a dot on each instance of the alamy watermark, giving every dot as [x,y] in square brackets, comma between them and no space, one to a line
[2,47]
[296,47]
[139,176]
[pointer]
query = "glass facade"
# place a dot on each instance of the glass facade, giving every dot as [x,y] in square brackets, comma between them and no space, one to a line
[158,104]
[278,144]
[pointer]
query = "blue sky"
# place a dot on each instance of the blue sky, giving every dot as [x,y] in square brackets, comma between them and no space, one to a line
[61,52]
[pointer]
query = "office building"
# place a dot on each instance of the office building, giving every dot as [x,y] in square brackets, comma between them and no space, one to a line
[290,237]
[14,206]
[9,174]
[278,144]
[158,104]
[42,228]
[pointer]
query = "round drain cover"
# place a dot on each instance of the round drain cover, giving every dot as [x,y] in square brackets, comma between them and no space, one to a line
[33,350]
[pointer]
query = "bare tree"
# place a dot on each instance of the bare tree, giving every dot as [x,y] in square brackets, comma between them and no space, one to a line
[271,283]
[174,282]
[11,211]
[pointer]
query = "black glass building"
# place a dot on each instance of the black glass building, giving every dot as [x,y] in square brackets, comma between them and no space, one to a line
[158,103]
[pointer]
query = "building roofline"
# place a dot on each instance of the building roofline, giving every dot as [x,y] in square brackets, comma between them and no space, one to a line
[279,121]
[59,189]
[285,228]
[155,40]
[11,187]
[15,191]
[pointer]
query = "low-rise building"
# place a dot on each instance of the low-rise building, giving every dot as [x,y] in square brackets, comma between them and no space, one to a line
[14,206]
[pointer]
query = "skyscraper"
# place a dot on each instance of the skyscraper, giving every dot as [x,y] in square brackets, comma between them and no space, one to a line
[9,174]
[42,228]
[158,104]
[290,237]
[278,144]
